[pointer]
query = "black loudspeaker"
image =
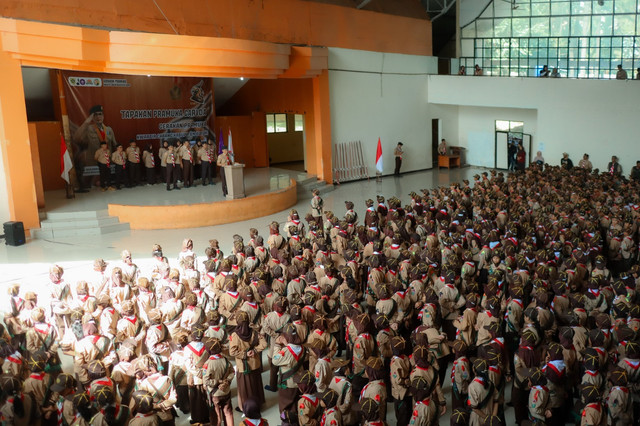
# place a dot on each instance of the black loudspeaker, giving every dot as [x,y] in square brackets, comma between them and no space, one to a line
[14,233]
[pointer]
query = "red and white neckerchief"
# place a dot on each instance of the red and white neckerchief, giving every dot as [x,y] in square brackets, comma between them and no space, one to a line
[136,155]
[153,159]
[37,376]
[190,156]
[123,158]
[107,158]
[173,159]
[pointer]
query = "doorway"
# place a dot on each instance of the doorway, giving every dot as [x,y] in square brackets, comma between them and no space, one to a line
[435,137]
[286,141]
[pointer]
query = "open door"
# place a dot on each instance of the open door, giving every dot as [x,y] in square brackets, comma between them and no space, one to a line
[502,149]
[435,138]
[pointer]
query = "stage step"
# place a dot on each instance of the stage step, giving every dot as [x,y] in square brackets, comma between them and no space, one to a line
[73,224]
[305,187]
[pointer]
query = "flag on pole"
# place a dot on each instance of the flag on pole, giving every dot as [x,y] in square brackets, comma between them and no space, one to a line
[65,160]
[379,157]
[230,146]
[220,143]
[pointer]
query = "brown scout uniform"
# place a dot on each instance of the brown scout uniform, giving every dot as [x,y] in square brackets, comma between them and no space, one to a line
[425,413]
[164,394]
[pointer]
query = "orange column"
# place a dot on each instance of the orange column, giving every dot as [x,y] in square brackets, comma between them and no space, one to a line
[14,139]
[322,127]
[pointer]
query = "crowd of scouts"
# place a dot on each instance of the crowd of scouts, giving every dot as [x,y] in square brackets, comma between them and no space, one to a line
[182,160]
[525,282]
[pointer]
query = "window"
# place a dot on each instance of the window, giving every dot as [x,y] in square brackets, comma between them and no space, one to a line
[276,123]
[582,38]
[298,123]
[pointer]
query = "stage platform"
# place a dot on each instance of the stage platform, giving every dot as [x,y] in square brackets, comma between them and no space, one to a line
[268,190]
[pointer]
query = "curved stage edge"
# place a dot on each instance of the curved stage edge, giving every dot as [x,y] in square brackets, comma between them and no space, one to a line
[206,214]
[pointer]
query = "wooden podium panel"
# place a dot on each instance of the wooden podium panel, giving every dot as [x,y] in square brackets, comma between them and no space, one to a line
[448,161]
[235,181]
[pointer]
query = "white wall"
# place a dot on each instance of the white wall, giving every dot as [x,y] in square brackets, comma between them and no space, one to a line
[385,95]
[599,117]
[476,129]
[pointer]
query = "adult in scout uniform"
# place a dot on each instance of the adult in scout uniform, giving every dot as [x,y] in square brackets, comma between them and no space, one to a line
[119,158]
[218,374]
[163,165]
[188,161]
[91,133]
[207,163]
[246,346]
[171,160]
[223,160]
[133,163]
[149,165]
[103,158]
[397,153]
[289,356]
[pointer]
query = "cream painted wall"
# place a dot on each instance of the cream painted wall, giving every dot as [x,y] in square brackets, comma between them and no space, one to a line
[385,95]
[599,117]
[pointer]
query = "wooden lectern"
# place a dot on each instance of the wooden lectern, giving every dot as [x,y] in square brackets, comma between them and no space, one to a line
[235,181]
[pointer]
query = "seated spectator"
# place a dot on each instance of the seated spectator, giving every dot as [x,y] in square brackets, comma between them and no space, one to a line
[621,74]
[462,70]
[585,163]
[544,72]
[635,172]
[442,148]
[566,162]
[477,70]
[555,73]
[538,159]
[614,168]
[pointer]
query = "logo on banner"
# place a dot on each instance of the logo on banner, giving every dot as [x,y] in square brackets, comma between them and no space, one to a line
[85,81]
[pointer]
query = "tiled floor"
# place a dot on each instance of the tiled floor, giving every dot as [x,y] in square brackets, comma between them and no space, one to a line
[28,264]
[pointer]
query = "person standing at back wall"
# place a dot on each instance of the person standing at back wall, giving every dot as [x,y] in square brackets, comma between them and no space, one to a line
[223,160]
[398,154]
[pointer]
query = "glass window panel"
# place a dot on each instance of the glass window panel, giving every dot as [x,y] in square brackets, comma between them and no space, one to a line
[605,42]
[553,42]
[563,42]
[580,25]
[516,126]
[533,42]
[559,26]
[271,126]
[605,52]
[502,27]
[540,9]
[281,123]
[466,46]
[539,27]
[522,9]
[502,126]
[501,9]
[469,31]
[484,27]
[560,8]
[581,7]
[543,43]
[605,8]
[299,123]
[616,42]
[601,25]
[625,6]
[520,27]
[624,25]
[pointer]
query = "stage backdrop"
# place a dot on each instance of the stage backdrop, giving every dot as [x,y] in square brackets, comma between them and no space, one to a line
[147,109]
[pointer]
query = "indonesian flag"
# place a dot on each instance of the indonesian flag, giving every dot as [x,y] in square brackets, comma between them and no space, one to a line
[379,157]
[230,146]
[65,160]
